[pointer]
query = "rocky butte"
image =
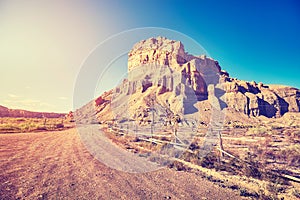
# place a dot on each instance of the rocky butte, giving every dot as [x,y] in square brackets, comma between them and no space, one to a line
[162,73]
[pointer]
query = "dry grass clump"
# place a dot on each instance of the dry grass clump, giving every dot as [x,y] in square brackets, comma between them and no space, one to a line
[291,154]
[257,131]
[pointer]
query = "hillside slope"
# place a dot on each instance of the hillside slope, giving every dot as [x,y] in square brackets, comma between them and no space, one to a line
[6,112]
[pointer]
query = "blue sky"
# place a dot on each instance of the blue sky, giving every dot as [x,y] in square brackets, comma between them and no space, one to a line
[44,43]
[252,40]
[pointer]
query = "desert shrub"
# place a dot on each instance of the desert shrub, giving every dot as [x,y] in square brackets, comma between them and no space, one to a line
[291,154]
[296,134]
[276,127]
[179,166]
[41,128]
[209,161]
[194,146]
[296,193]
[233,187]
[274,188]
[273,177]
[60,125]
[164,138]
[251,171]
[29,126]
[263,196]
[269,154]
[186,156]
[234,166]
[170,151]
[251,166]
[246,193]
[135,139]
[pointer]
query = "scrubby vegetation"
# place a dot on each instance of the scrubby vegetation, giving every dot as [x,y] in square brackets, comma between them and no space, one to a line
[17,125]
[261,162]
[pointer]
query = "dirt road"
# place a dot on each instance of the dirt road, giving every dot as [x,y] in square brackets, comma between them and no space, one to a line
[56,165]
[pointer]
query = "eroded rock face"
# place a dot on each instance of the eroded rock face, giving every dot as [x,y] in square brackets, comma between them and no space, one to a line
[162,66]
[196,71]
[256,99]
[238,101]
[253,104]
[160,51]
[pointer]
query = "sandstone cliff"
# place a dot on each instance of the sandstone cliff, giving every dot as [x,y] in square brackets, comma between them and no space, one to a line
[160,72]
[196,71]
[257,99]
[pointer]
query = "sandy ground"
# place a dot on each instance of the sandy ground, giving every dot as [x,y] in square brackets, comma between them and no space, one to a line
[56,165]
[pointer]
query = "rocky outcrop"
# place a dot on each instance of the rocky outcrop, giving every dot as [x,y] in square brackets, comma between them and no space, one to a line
[257,99]
[178,80]
[196,71]
[6,112]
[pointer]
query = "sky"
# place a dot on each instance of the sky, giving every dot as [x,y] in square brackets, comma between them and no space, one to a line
[43,44]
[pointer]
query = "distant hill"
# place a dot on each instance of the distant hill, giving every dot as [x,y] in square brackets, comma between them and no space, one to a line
[6,112]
